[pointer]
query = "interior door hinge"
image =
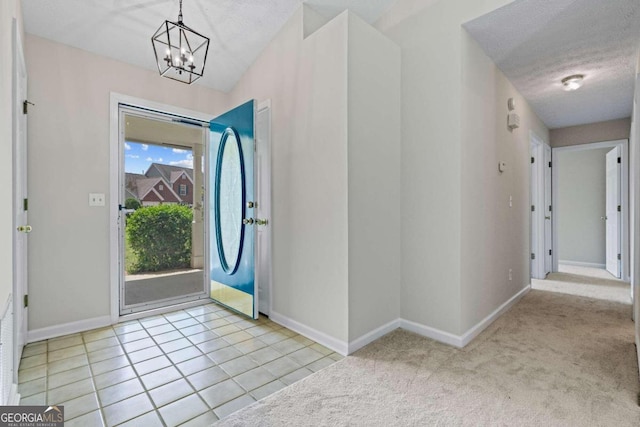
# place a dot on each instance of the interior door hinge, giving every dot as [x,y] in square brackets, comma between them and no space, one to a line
[533,208]
[25,204]
[25,106]
[619,256]
[533,256]
[533,160]
[549,164]
[619,208]
[26,301]
[549,208]
[550,252]
[619,160]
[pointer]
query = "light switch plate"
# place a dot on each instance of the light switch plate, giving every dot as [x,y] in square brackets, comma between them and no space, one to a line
[96,199]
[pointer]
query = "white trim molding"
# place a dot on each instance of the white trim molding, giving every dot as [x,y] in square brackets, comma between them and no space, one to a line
[68,328]
[340,347]
[468,336]
[370,337]
[433,333]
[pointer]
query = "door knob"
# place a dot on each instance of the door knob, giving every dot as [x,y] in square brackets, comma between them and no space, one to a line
[262,221]
[247,221]
[547,217]
[25,229]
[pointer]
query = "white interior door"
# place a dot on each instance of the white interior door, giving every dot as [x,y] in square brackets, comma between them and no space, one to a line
[535,228]
[263,211]
[20,204]
[613,211]
[547,211]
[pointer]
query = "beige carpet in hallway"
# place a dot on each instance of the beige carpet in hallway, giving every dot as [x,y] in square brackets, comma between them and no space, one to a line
[552,360]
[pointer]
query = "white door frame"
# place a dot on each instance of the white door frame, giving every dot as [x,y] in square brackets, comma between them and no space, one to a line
[20,274]
[116,100]
[624,187]
[262,185]
[537,200]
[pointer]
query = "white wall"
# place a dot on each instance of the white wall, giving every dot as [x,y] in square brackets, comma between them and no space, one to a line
[634,191]
[581,204]
[611,130]
[435,126]
[374,178]
[9,10]
[306,80]
[494,235]
[335,99]
[69,158]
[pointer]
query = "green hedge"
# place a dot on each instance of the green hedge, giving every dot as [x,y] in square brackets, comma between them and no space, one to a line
[161,237]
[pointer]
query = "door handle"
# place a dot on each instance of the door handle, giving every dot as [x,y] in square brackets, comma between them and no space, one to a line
[262,221]
[25,229]
[247,221]
[547,217]
[604,218]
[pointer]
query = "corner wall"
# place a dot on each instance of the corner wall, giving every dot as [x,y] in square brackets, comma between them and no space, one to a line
[69,158]
[495,219]
[437,122]
[306,81]
[374,179]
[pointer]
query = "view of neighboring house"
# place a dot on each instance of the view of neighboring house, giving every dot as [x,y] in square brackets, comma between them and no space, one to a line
[161,184]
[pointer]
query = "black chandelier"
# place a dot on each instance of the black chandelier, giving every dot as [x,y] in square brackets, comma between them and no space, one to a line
[181,52]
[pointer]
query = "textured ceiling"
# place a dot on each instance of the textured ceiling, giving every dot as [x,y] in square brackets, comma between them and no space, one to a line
[121,29]
[536,43]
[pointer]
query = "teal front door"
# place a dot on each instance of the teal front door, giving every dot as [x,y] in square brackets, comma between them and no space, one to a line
[231,210]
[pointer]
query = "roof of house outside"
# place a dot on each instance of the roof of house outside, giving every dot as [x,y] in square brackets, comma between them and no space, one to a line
[167,171]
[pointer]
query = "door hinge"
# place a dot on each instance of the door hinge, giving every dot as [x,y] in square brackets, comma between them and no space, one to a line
[619,159]
[549,164]
[619,256]
[549,208]
[25,106]
[533,256]
[550,252]
[533,208]
[25,204]
[26,301]
[533,160]
[619,208]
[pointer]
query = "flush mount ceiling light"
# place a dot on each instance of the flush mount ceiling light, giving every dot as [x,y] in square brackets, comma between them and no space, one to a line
[181,52]
[572,82]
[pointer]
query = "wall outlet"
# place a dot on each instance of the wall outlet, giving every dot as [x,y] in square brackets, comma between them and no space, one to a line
[96,199]
[510,274]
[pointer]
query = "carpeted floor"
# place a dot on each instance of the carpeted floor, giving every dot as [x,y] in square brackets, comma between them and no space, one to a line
[552,360]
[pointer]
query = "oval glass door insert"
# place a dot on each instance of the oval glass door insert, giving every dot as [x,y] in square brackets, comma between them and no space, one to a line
[229,201]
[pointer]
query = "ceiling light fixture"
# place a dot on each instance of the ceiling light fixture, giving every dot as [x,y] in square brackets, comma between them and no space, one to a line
[572,82]
[181,53]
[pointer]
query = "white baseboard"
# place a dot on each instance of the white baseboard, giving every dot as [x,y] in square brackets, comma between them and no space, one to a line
[330,342]
[14,396]
[68,328]
[444,337]
[582,264]
[370,337]
[433,333]
[484,323]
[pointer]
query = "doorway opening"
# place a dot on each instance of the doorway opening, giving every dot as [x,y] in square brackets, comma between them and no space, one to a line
[162,225]
[590,194]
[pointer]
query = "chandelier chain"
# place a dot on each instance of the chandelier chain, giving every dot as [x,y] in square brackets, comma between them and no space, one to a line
[180,14]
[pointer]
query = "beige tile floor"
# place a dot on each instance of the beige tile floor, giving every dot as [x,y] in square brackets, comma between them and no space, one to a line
[189,367]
